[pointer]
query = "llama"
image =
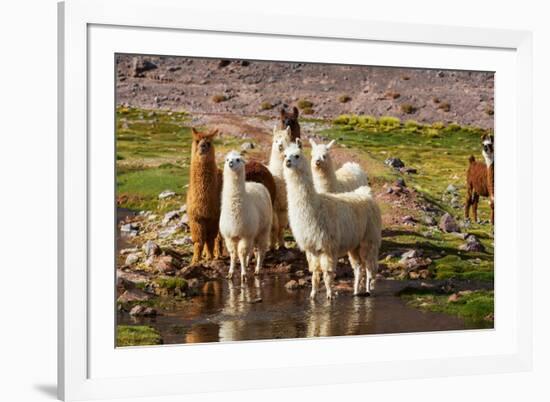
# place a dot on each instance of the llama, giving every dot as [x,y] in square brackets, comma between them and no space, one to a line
[326,180]
[281,138]
[488,142]
[480,179]
[327,226]
[246,215]
[291,120]
[204,197]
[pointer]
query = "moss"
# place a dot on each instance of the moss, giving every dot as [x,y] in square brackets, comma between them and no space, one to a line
[474,307]
[172,283]
[137,335]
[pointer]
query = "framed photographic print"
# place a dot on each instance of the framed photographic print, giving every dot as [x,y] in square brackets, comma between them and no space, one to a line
[319,194]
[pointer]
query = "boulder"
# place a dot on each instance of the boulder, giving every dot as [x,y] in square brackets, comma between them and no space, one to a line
[166,194]
[170,216]
[131,259]
[448,224]
[246,146]
[292,285]
[151,248]
[166,264]
[132,295]
[472,244]
[143,311]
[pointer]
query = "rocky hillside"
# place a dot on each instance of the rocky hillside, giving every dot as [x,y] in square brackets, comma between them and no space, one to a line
[321,91]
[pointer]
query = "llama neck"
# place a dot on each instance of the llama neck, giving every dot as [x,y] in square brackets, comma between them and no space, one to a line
[489,159]
[233,192]
[275,162]
[203,173]
[302,198]
[325,178]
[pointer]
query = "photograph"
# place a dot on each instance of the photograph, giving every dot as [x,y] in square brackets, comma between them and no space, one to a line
[281,199]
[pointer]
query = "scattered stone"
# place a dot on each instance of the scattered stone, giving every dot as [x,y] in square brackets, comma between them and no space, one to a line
[414,253]
[448,224]
[170,216]
[224,63]
[139,310]
[140,66]
[129,280]
[131,259]
[408,220]
[255,301]
[451,189]
[184,241]
[453,298]
[132,295]
[416,263]
[193,283]
[408,170]
[126,251]
[131,229]
[166,194]
[472,244]
[400,182]
[168,231]
[430,221]
[299,273]
[395,163]
[247,146]
[292,285]
[302,282]
[167,265]
[151,248]
[424,274]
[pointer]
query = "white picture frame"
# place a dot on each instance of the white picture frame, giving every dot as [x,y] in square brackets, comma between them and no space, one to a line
[90,367]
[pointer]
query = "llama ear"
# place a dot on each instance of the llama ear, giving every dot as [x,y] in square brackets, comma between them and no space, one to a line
[299,143]
[313,144]
[295,111]
[330,144]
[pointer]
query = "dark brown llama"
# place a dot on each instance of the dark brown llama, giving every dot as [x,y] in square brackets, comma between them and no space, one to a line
[291,120]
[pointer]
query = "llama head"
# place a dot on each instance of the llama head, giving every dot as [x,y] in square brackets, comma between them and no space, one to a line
[320,155]
[234,163]
[488,151]
[290,120]
[294,157]
[281,139]
[203,145]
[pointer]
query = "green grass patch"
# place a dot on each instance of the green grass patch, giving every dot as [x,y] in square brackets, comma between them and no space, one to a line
[172,283]
[476,308]
[138,335]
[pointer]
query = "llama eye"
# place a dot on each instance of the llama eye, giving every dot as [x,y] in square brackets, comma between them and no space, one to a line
[296,156]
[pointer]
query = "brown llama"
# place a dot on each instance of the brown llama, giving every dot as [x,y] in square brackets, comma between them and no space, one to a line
[257,172]
[480,179]
[291,120]
[204,197]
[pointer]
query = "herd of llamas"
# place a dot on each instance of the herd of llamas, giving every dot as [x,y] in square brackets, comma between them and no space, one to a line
[331,212]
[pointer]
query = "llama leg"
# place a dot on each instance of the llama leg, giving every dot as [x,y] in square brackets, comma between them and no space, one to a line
[262,247]
[369,256]
[244,253]
[474,205]
[209,247]
[232,248]
[315,279]
[283,221]
[274,231]
[355,262]
[197,252]
[328,265]
[468,203]
[218,246]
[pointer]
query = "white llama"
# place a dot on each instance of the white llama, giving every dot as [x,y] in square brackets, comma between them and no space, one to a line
[281,138]
[349,177]
[246,215]
[327,226]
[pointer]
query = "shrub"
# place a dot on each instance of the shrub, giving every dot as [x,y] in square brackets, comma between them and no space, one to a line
[342,119]
[366,121]
[408,108]
[435,99]
[389,121]
[405,78]
[412,124]
[344,98]
[453,127]
[219,98]
[266,106]
[438,125]
[308,110]
[444,106]
[305,104]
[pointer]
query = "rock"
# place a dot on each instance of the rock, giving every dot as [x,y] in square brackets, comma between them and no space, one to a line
[448,224]
[408,170]
[184,241]
[193,283]
[135,294]
[400,182]
[143,311]
[451,189]
[414,253]
[255,301]
[166,194]
[170,216]
[192,271]
[299,273]
[130,229]
[302,282]
[223,63]
[412,264]
[453,298]
[395,163]
[292,285]
[183,222]
[126,251]
[472,244]
[414,275]
[408,220]
[168,231]
[167,264]
[140,66]
[183,208]
[131,259]
[246,146]
[151,248]
[430,220]
[424,274]
[129,280]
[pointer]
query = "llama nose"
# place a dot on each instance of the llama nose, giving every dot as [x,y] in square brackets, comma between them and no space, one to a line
[318,162]
[231,164]
[287,163]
